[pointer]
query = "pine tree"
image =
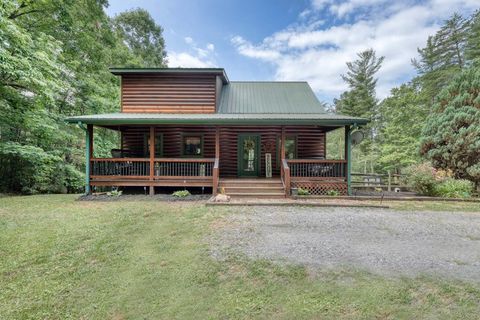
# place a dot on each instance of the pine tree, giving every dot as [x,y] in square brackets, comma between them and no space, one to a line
[443,56]
[451,136]
[360,100]
[472,50]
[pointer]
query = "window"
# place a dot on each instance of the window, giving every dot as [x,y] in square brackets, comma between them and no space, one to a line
[192,145]
[158,145]
[290,148]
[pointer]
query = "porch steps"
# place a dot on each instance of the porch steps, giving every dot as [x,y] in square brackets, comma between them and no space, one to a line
[252,188]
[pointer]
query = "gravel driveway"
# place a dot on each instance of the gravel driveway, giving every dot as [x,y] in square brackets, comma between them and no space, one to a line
[382,241]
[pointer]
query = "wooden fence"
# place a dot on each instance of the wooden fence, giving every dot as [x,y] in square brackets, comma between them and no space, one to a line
[387,182]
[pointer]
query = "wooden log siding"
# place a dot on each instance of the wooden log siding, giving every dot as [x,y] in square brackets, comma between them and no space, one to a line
[310,143]
[148,93]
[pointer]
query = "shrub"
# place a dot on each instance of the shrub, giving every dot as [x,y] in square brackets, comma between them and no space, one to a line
[452,188]
[181,193]
[422,178]
[333,193]
[303,192]
[29,170]
[115,193]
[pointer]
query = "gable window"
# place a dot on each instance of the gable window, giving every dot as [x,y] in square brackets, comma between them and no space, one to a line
[193,145]
[158,145]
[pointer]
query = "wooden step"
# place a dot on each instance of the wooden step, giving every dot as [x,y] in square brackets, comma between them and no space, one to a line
[250,183]
[253,189]
[257,195]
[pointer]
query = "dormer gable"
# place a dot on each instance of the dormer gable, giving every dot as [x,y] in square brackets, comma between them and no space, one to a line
[171,90]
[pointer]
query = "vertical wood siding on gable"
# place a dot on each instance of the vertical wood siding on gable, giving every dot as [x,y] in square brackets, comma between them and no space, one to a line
[168,93]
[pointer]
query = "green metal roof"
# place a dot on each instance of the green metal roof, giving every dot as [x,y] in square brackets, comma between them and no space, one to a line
[326,119]
[216,71]
[253,97]
[241,102]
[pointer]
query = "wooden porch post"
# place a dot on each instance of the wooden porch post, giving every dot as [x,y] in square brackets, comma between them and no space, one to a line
[217,159]
[88,156]
[152,159]
[284,168]
[348,158]
[217,142]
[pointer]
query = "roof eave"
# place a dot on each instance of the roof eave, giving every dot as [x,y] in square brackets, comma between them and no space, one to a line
[325,122]
[217,71]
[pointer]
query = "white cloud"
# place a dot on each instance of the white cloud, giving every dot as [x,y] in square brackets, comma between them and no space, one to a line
[259,52]
[309,50]
[195,57]
[186,60]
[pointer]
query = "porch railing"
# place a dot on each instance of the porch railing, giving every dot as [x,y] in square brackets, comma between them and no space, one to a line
[124,167]
[139,168]
[181,167]
[315,168]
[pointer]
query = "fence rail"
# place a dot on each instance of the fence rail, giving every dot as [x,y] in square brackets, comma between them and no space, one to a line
[387,181]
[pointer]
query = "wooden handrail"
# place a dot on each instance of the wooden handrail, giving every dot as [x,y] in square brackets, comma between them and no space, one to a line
[215,174]
[120,159]
[314,161]
[184,159]
[286,176]
[156,159]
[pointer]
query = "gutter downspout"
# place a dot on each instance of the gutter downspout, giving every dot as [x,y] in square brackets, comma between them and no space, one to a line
[87,157]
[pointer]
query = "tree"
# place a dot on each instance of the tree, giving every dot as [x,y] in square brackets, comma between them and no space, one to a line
[360,100]
[472,51]
[54,63]
[402,115]
[443,56]
[143,36]
[451,137]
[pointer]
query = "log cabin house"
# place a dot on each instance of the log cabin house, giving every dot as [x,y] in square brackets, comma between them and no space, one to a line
[193,127]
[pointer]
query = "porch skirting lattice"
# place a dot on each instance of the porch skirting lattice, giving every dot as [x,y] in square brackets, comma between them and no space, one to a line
[321,187]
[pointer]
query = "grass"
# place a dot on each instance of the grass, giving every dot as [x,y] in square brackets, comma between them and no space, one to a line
[66,259]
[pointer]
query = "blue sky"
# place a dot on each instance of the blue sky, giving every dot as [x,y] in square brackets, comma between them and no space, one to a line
[298,39]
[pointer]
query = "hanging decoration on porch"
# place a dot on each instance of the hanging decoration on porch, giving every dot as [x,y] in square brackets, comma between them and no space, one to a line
[268,165]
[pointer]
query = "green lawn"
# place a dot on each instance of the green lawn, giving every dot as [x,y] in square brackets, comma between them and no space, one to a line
[63,259]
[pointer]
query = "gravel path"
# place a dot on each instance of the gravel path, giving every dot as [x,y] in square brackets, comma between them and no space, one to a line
[382,241]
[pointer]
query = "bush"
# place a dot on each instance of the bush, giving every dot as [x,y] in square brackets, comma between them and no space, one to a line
[29,170]
[181,193]
[422,179]
[303,192]
[333,193]
[115,193]
[451,188]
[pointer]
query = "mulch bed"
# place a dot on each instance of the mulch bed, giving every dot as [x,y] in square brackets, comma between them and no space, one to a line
[141,197]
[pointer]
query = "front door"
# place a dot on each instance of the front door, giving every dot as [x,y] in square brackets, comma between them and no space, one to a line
[248,155]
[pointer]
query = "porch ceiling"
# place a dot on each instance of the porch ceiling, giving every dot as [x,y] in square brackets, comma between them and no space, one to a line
[323,119]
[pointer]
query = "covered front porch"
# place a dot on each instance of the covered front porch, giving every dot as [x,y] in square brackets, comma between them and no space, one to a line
[184,156]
